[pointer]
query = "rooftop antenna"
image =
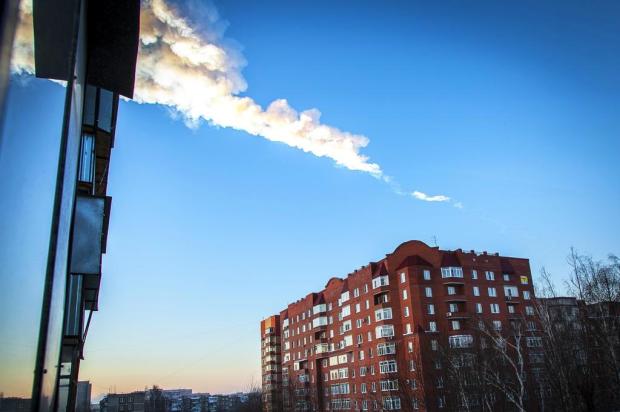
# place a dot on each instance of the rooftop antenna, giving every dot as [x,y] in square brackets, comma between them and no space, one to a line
[434,240]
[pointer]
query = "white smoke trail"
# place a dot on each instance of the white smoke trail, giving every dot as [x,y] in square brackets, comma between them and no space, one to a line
[194,73]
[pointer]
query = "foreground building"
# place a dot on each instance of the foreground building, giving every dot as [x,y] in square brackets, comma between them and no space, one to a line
[91,46]
[381,337]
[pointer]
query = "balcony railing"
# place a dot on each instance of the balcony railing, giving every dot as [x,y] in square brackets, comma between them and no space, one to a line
[455,298]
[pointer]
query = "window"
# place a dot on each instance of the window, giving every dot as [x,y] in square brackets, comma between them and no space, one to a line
[506,277]
[452,272]
[363,390]
[356,292]
[389,385]
[428,291]
[403,277]
[492,292]
[440,382]
[497,324]
[358,323]
[476,291]
[409,346]
[391,403]
[411,365]
[460,341]
[367,304]
[404,293]
[494,308]
[478,307]
[434,344]
[526,294]
[87,158]
[537,357]
[357,308]
[106,103]
[344,296]
[380,281]
[407,329]
[346,311]
[430,309]
[406,311]
[383,314]
[489,275]
[427,274]
[534,342]
[384,331]
[451,290]
[511,308]
[386,349]
[365,288]
[442,402]
[432,326]
[456,325]
[382,298]
[388,366]
[474,274]
[529,310]
[340,389]
[511,292]
[362,371]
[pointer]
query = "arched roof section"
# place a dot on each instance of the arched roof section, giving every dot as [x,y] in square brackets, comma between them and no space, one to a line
[412,248]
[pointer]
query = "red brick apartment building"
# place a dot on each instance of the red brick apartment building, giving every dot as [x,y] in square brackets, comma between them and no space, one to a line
[375,340]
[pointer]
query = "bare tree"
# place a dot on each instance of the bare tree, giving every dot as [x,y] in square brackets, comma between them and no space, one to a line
[581,337]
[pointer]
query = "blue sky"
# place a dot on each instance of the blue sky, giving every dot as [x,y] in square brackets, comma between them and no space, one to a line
[511,109]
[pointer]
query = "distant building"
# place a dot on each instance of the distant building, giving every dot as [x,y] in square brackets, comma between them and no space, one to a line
[175,397]
[14,404]
[370,341]
[123,402]
[197,402]
[83,396]
[172,400]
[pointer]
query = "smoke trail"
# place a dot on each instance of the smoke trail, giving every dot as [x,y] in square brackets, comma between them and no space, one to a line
[194,72]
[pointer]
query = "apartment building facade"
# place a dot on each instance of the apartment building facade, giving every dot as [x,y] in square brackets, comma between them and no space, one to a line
[375,339]
[271,363]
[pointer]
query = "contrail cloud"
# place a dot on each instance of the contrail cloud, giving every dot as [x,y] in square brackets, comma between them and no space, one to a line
[192,69]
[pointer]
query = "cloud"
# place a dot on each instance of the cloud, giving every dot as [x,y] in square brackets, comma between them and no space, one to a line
[197,73]
[187,64]
[22,58]
[427,198]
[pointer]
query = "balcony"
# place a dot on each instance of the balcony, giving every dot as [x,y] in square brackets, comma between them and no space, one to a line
[458,315]
[455,298]
[321,349]
[319,322]
[318,309]
[455,281]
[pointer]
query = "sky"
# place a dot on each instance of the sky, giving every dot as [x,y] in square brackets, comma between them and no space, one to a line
[502,117]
